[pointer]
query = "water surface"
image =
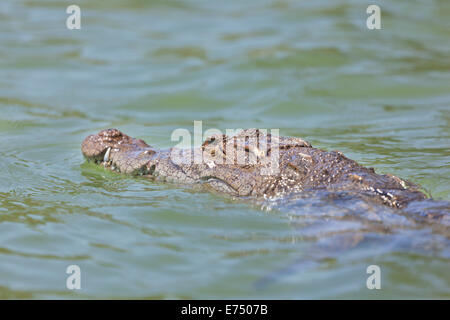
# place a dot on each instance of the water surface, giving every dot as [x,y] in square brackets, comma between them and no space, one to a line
[310,68]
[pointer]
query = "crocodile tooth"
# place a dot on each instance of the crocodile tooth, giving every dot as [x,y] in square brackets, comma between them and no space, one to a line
[106,157]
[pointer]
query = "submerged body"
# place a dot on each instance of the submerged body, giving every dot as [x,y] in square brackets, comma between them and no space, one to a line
[250,164]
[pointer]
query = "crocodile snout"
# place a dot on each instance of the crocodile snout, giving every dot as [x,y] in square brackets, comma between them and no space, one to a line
[117,151]
[95,146]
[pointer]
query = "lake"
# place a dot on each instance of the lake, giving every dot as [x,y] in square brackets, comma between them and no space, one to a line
[308,68]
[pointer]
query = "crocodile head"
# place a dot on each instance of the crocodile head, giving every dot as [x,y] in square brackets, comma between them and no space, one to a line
[115,150]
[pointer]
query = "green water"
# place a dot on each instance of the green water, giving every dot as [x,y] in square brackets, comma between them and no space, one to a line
[310,68]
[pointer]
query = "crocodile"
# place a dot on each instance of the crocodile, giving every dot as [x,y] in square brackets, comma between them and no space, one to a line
[334,204]
[250,164]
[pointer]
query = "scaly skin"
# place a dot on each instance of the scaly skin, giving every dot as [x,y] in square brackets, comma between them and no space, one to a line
[301,167]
